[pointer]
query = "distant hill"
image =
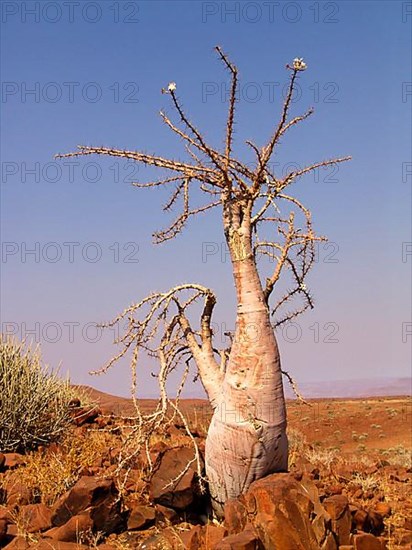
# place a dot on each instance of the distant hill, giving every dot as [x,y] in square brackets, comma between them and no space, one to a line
[367,387]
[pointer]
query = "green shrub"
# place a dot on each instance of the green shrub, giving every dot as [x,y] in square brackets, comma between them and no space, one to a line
[34,401]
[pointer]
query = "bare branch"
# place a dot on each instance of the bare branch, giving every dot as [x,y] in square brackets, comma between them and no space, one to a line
[295,389]
[268,150]
[178,336]
[271,281]
[296,120]
[213,155]
[189,170]
[298,173]
[232,102]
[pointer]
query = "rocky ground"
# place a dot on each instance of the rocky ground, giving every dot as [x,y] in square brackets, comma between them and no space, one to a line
[348,487]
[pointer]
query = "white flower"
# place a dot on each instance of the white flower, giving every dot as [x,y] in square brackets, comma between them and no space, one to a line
[172,86]
[299,64]
[302,286]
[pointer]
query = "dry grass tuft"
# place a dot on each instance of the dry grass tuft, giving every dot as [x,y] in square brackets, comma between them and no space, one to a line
[34,401]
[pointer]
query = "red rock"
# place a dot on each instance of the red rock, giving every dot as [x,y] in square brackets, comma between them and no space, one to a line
[35,517]
[235,516]
[156,452]
[12,460]
[12,530]
[330,543]
[102,422]
[407,524]
[167,514]
[383,509]
[213,535]
[406,539]
[319,526]
[5,514]
[360,520]
[100,496]
[77,527]
[366,541]
[18,543]
[376,525]
[281,509]
[87,492]
[246,540]
[337,507]
[58,545]
[141,517]
[335,489]
[18,493]
[192,539]
[84,415]
[135,483]
[163,487]
[107,517]
[3,530]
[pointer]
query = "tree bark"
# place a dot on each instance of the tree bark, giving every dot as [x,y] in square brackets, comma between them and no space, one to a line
[247,435]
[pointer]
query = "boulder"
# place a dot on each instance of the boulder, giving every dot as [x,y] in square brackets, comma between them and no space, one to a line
[83,415]
[337,507]
[35,517]
[163,513]
[18,543]
[360,519]
[12,460]
[168,486]
[167,539]
[141,517]
[3,530]
[18,493]
[366,541]
[99,497]
[235,516]
[58,545]
[330,542]
[376,525]
[246,540]
[282,510]
[212,535]
[192,538]
[383,509]
[87,492]
[77,528]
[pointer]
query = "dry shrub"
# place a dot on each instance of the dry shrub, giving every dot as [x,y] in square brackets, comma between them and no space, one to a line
[51,472]
[297,445]
[34,401]
[325,457]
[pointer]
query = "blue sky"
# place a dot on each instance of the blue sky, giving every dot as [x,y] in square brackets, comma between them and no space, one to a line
[96,69]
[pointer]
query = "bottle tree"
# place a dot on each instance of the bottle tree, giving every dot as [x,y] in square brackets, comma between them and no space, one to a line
[246,438]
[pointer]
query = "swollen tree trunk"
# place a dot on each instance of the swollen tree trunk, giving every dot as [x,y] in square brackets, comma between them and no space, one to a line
[247,435]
